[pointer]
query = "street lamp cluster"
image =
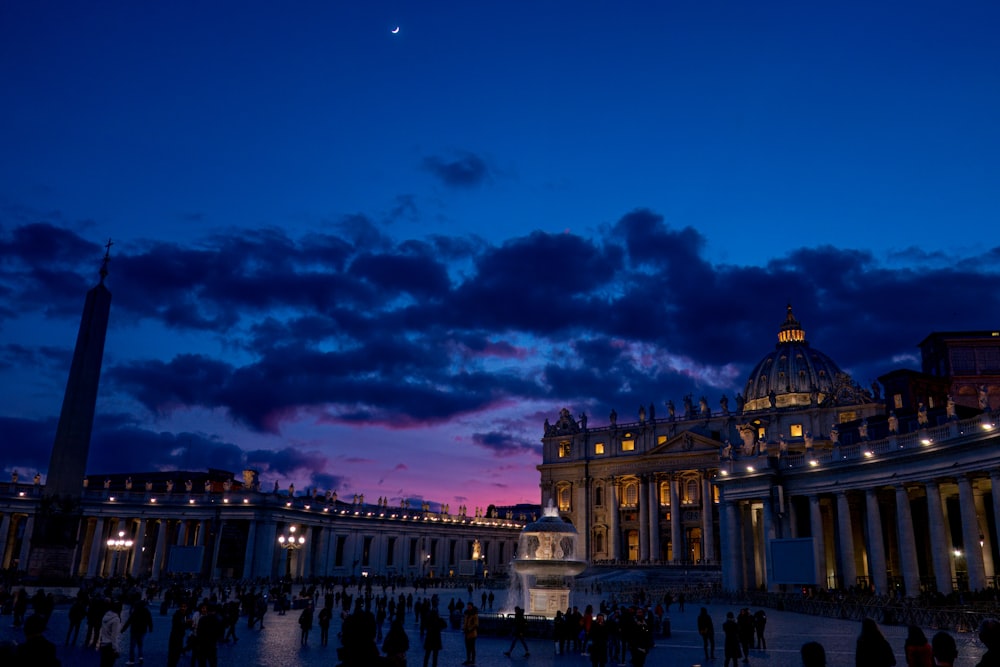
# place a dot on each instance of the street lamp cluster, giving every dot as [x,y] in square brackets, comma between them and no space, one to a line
[119,545]
[291,542]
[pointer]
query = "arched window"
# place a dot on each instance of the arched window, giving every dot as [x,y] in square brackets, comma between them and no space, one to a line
[665,494]
[631,494]
[691,492]
[564,497]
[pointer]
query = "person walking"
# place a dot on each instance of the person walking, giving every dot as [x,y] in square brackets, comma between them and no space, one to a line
[518,630]
[207,632]
[306,623]
[179,624]
[598,642]
[109,639]
[140,621]
[707,631]
[744,623]
[325,615]
[470,630]
[432,637]
[872,649]
[759,623]
[731,645]
[77,612]
[640,638]
[916,649]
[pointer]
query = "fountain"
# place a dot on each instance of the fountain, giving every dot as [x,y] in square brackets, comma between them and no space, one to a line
[546,555]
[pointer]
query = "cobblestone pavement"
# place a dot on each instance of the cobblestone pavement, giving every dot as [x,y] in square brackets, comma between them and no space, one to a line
[278,643]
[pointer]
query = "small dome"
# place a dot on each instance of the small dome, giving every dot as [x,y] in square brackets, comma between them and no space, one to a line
[795,373]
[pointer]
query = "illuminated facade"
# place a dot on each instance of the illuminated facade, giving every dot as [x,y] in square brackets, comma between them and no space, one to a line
[219,528]
[890,492]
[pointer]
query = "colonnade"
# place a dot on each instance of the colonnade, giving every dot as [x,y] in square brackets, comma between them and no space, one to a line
[905,537]
[242,542]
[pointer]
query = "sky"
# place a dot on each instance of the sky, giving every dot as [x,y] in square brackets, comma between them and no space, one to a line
[375,261]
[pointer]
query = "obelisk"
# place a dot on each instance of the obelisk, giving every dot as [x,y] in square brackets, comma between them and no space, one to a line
[56,526]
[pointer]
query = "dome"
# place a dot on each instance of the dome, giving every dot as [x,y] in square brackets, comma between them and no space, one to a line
[798,375]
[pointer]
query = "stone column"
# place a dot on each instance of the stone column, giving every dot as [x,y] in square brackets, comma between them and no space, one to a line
[970,534]
[200,538]
[907,543]
[96,549]
[845,529]
[984,531]
[707,521]
[613,515]
[267,539]
[754,575]
[768,534]
[4,532]
[160,552]
[216,543]
[876,545]
[731,534]
[653,496]
[819,544]
[676,538]
[940,539]
[137,552]
[29,527]
[305,567]
[251,549]
[644,518]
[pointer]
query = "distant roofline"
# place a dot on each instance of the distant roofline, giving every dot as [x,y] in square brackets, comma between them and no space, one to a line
[981,333]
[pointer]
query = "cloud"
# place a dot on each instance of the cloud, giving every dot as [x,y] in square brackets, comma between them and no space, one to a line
[465,170]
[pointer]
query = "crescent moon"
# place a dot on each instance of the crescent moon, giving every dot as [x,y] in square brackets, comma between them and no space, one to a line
[395,30]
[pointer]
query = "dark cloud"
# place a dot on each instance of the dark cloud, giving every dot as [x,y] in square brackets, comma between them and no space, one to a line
[465,170]
[354,327]
[503,444]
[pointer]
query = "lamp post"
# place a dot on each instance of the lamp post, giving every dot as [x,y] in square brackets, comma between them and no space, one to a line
[117,546]
[290,543]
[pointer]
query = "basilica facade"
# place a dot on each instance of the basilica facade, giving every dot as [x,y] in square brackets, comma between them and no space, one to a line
[890,491]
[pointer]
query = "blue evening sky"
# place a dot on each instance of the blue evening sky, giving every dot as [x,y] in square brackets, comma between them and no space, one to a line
[377,261]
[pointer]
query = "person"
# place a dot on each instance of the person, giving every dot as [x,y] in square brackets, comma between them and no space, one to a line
[306,623]
[518,629]
[559,632]
[109,640]
[432,639]
[916,648]
[707,631]
[598,642]
[325,615]
[731,641]
[872,649]
[207,631]
[744,623]
[77,612]
[36,650]
[396,645]
[640,638]
[357,637]
[813,655]
[759,622]
[179,624]
[989,635]
[470,630]
[139,622]
[943,649]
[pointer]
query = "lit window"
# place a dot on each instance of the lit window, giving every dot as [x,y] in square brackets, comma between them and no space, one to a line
[598,447]
[795,430]
[761,433]
[628,445]
[661,439]
[847,416]
[632,494]
[564,449]
[897,401]
[665,494]
[564,495]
